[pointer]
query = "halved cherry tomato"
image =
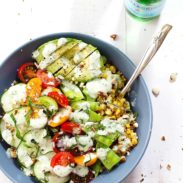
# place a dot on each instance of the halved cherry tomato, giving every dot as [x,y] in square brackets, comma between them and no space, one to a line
[60,98]
[47,79]
[55,140]
[60,117]
[33,88]
[71,127]
[27,71]
[86,159]
[62,158]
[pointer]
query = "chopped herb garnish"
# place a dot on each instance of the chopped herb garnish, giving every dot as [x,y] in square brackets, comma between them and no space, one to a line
[28,116]
[18,134]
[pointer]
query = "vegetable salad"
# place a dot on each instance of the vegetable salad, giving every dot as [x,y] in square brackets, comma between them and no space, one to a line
[64,118]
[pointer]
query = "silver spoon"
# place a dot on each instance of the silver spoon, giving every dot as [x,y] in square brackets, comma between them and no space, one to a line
[149,54]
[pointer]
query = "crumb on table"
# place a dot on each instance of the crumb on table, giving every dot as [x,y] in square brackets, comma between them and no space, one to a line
[114,36]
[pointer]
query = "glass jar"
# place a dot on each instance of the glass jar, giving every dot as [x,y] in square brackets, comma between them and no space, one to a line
[145,9]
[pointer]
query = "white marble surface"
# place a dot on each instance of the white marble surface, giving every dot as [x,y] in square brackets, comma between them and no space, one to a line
[22,20]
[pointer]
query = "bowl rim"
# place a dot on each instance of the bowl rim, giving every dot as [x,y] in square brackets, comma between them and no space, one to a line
[119,52]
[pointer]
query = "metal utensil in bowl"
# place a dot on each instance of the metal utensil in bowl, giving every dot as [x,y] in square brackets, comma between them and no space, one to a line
[149,54]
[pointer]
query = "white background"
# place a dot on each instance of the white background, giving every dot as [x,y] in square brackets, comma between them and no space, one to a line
[21,21]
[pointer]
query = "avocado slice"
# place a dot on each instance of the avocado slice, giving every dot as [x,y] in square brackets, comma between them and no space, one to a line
[82,104]
[55,61]
[77,58]
[71,91]
[47,48]
[88,98]
[49,103]
[88,69]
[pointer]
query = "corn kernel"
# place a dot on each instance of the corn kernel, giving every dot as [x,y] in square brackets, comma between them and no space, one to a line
[102,107]
[123,158]
[118,111]
[127,125]
[108,112]
[112,69]
[134,141]
[128,131]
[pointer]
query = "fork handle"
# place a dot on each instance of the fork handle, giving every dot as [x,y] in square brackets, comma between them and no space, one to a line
[149,54]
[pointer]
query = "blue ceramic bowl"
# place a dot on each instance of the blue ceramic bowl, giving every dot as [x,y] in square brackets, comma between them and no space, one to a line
[139,95]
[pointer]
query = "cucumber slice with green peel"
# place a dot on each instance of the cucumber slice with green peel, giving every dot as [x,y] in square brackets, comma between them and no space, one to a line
[46,49]
[54,62]
[35,137]
[42,166]
[14,125]
[13,97]
[78,105]
[27,154]
[78,57]
[88,69]
[42,170]
[51,178]
[49,103]
[8,135]
[46,145]
[71,91]
[39,138]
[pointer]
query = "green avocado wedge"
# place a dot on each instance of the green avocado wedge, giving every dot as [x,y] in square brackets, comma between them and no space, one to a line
[76,59]
[88,69]
[46,49]
[65,54]
[93,116]
[71,91]
[49,103]
[78,105]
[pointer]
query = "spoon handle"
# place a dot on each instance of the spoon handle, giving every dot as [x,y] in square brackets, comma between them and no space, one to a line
[150,52]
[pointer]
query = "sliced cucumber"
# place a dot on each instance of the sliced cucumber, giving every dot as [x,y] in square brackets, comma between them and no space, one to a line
[78,57]
[48,48]
[46,145]
[71,91]
[33,137]
[51,178]
[55,64]
[88,69]
[9,136]
[27,154]
[12,131]
[13,97]
[42,166]
[39,138]
[49,103]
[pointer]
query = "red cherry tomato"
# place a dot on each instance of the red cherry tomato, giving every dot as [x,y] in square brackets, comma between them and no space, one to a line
[47,79]
[71,127]
[60,98]
[55,140]
[62,158]
[27,71]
